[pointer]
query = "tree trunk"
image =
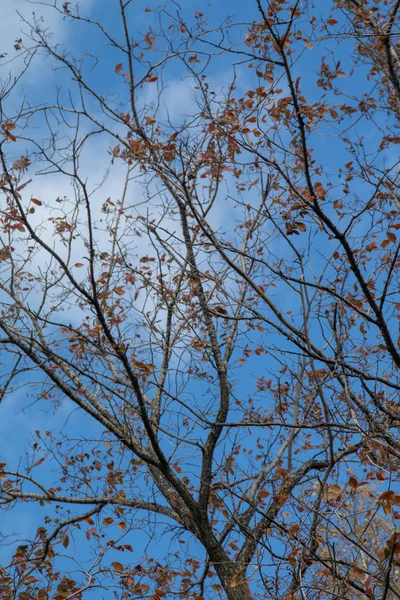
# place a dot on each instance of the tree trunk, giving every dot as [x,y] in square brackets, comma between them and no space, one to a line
[235,589]
[231,575]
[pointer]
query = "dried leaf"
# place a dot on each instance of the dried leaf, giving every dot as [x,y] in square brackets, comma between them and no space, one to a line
[332,491]
[119,291]
[358,574]
[149,41]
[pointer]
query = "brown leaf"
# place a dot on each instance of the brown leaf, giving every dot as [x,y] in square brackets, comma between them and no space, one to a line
[149,41]
[302,226]
[332,491]
[5,253]
[118,68]
[263,494]
[236,579]
[221,310]
[358,574]
[353,483]
[117,567]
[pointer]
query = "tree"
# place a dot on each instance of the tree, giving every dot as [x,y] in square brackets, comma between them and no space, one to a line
[199,267]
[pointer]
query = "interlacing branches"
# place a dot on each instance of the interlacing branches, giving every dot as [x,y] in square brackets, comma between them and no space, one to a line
[202,300]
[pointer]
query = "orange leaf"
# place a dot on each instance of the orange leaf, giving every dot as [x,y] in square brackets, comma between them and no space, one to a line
[263,494]
[332,491]
[358,574]
[294,529]
[302,226]
[149,41]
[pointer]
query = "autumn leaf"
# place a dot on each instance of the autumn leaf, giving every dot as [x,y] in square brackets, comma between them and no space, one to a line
[149,41]
[119,291]
[221,310]
[5,253]
[263,494]
[117,567]
[353,483]
[29,580]
[334,114]
[301,226]
[294,529]
[118,68]
[332,491]
[237,578]
[358,574]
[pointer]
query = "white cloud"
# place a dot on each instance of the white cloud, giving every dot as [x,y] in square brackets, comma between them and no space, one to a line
[16,17]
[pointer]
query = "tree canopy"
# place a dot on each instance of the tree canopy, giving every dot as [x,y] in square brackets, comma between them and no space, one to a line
[199,301]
